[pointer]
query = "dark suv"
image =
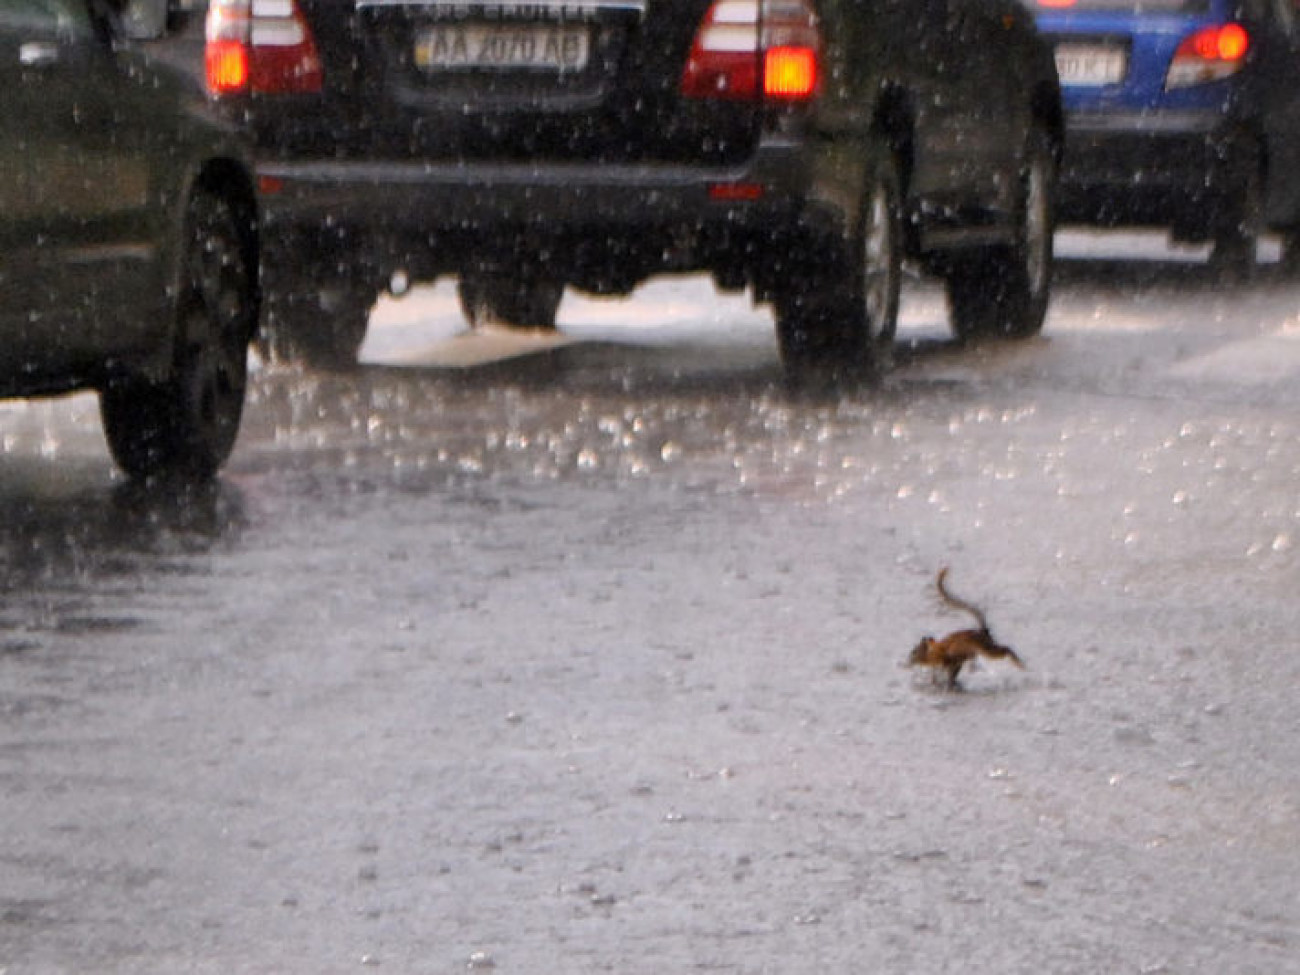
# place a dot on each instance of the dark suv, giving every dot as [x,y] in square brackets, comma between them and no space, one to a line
[128,239]
[800,148]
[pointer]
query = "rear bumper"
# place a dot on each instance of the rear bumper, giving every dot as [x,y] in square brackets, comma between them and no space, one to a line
[1155,167]
[579,219]
[448,195]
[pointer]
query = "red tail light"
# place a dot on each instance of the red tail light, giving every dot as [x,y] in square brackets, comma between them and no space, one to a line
[1211,54]
[747,49]
[262,46]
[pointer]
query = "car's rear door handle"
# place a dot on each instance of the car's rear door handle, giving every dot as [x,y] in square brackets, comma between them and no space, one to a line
[38,54]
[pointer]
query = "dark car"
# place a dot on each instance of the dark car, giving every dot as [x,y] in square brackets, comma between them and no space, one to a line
[799,148]
[128,242]
[1183,114]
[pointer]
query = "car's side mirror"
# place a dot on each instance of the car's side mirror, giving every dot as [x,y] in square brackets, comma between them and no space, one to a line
[144,20]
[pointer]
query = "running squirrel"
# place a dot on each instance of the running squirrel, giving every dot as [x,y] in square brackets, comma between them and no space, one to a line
[953,650]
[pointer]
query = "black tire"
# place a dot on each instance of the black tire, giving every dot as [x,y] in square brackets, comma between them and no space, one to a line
[1239,221]
[319,325]
[515,302]
[838,321]
[1290,261]
[1004,291]
[186,425]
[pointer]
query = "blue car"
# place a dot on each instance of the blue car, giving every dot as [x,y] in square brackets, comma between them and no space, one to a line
[1183,114]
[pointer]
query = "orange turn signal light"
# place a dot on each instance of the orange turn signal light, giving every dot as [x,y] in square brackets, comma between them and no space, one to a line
[226,63]
[789,72]
[1223,42]
[1231,42]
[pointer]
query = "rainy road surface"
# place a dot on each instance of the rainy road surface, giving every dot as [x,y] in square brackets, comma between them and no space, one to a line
[589,659]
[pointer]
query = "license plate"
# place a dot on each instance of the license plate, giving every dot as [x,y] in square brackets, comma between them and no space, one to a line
[1090,64]
[503,47]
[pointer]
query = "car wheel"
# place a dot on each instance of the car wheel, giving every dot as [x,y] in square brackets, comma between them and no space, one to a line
[1290,258]
[515,302]
[1003,291]
[319,325]
[1240,221]
[842,323]
[186,424]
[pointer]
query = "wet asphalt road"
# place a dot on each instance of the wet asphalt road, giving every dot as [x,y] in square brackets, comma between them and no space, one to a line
[589,659]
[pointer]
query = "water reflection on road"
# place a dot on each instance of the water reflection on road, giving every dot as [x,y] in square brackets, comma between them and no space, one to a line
[588,658]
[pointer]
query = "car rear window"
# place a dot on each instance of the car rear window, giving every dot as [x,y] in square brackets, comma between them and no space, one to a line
[1132,6]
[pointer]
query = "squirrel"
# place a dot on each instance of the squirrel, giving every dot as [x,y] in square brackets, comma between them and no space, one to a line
[952,651]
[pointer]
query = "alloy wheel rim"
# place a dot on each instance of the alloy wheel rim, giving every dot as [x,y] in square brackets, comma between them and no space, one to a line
[878,263]
[1037,239]
[217,357]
